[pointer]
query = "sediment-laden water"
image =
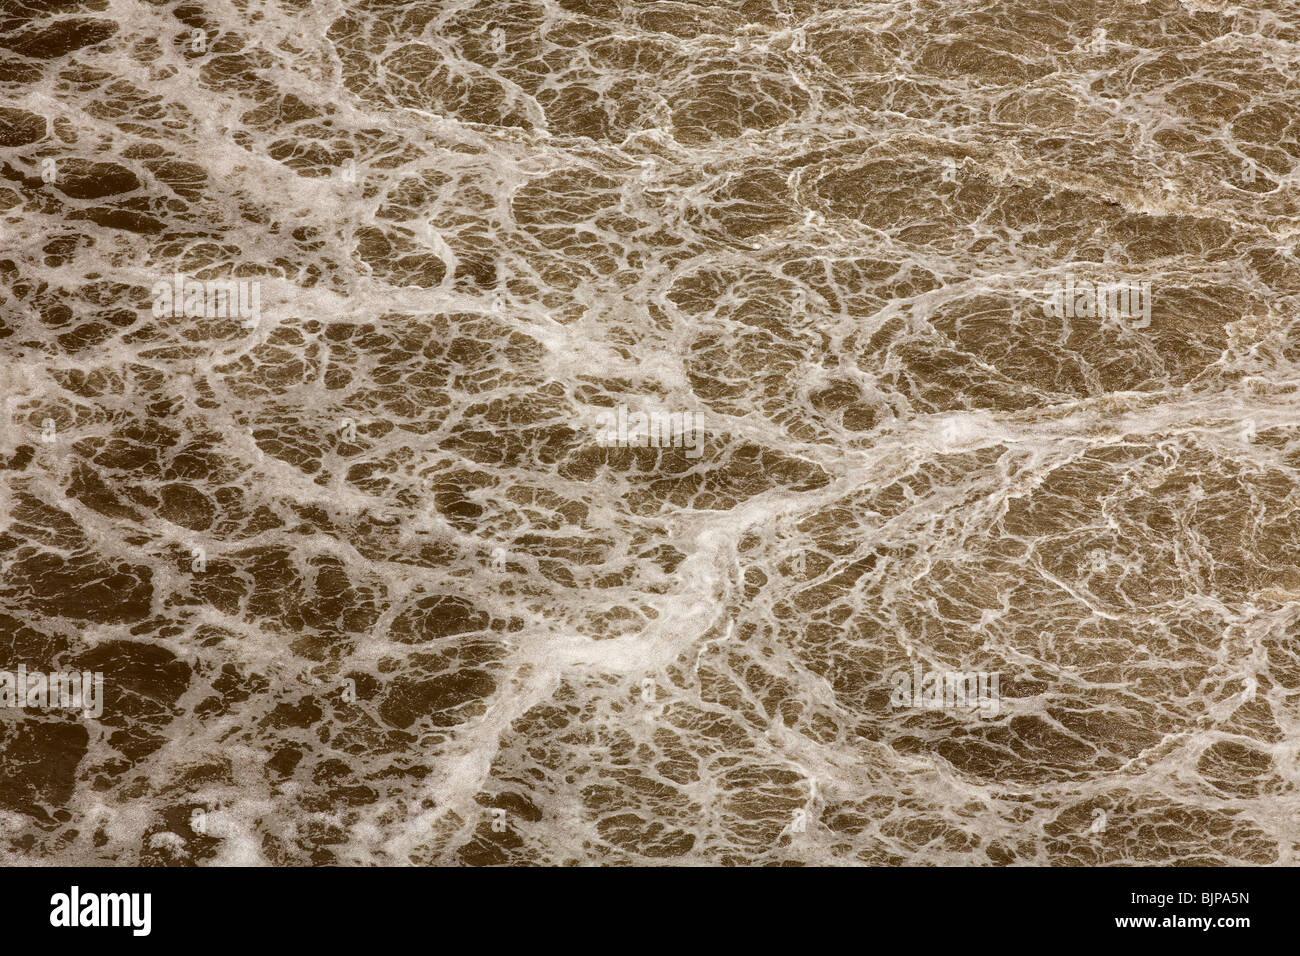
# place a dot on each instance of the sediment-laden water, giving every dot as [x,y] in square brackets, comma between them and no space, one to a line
[331,333]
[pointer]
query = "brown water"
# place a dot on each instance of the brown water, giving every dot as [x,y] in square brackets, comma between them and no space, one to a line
[359,573]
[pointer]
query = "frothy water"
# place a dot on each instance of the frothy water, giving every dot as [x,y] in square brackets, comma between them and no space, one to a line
[543,432]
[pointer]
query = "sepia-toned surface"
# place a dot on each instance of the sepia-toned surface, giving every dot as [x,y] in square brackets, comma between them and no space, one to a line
[361,575]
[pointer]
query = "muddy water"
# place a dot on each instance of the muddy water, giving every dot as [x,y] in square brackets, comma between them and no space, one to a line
[376,562]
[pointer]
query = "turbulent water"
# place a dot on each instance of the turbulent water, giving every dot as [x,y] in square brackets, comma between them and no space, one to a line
[375,569]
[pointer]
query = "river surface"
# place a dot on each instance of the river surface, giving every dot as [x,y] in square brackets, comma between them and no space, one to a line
[934,559]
